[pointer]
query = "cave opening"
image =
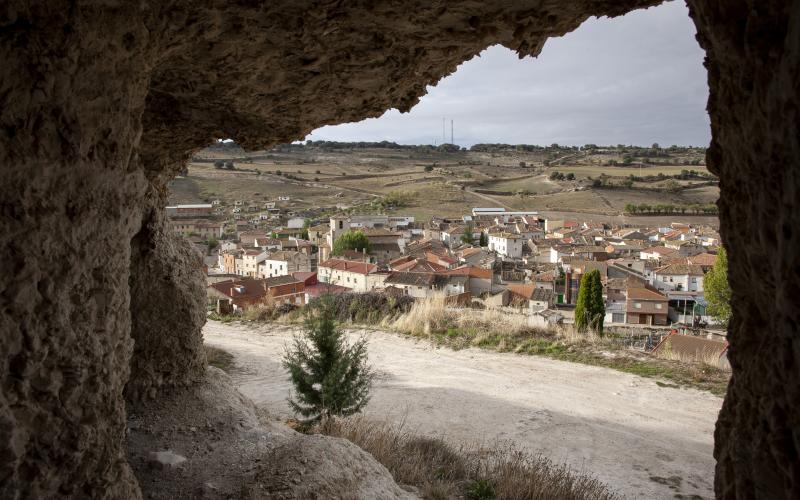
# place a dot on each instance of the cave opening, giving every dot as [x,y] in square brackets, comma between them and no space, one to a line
[101,105]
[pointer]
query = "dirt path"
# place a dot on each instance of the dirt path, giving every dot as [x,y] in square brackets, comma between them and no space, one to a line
[495,202]
[644,440]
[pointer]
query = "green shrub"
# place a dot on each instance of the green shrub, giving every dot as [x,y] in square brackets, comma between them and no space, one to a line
[329,376]
[481,489]
[373,306]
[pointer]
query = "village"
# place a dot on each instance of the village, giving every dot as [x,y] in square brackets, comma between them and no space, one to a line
[517,261]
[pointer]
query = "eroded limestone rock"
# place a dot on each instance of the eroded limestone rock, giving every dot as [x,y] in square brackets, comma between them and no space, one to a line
[315,466]
[753,61]
[168,310]
[101,102]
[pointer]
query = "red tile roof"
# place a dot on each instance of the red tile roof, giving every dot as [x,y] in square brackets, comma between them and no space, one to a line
[419,266]
[471,271]
[660,250]
[703,259]
[531,292]
[470,251]
[349,266]
[250,288]
[680,270]
[401,260]
[434,257]
[309,278]
[642,293]
[241,288]
[325,288]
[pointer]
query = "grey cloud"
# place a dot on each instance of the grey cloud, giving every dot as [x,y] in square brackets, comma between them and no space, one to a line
[635,79]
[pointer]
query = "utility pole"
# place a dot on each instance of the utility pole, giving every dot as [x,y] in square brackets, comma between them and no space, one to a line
[451,132]
[444,137]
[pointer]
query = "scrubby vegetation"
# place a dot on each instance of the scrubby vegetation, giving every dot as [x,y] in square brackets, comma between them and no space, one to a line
[505,332]
[394,200]
[218,358]
[718,290]
[708,357]
[440,470]
[267,311]
[351,240]
[330,377]
[502,331]
[371,307]
[671,209]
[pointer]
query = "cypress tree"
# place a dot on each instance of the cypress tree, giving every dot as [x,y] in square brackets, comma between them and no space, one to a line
[598,305]
[582,306]
[330,377]
[590,308]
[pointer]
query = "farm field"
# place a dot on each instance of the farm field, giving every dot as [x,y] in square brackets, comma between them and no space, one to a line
[439,183]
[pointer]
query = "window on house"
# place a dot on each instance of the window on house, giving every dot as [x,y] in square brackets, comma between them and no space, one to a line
[637,305]
[658,306]
[341,224]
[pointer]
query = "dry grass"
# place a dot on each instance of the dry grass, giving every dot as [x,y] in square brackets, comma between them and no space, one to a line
[268,310]
[219,358]
[461,327]
[707,357]
[506,332]
[441,470]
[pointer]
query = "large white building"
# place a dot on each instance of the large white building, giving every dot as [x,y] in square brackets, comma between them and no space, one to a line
[506,244]
[679,277]
[284,263]
[249,263]
[501,215]
[358,276]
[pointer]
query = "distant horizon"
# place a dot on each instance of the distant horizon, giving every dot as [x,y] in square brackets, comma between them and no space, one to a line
[634,79]
[599,146]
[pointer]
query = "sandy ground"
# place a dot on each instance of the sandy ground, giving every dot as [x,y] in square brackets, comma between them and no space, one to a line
[644,440]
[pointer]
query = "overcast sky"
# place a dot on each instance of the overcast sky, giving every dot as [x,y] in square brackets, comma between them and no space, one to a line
[635,79]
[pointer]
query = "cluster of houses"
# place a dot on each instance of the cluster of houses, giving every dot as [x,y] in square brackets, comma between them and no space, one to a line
[491,257]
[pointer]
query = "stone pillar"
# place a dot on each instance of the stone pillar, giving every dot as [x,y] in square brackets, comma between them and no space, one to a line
[64,341]
[753,61]
[168,310]
[70,201]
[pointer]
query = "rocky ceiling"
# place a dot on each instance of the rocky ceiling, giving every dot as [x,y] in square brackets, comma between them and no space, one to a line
[101,102]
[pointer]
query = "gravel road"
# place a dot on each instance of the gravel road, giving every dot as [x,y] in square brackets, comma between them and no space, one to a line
[642,439]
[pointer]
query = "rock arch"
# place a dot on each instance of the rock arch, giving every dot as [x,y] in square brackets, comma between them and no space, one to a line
[101,103]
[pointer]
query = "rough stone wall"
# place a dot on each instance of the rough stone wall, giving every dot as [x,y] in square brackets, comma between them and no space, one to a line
[79,81]
[69,197]
[271,72]
[100,102]
[753,61]
[168,310]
